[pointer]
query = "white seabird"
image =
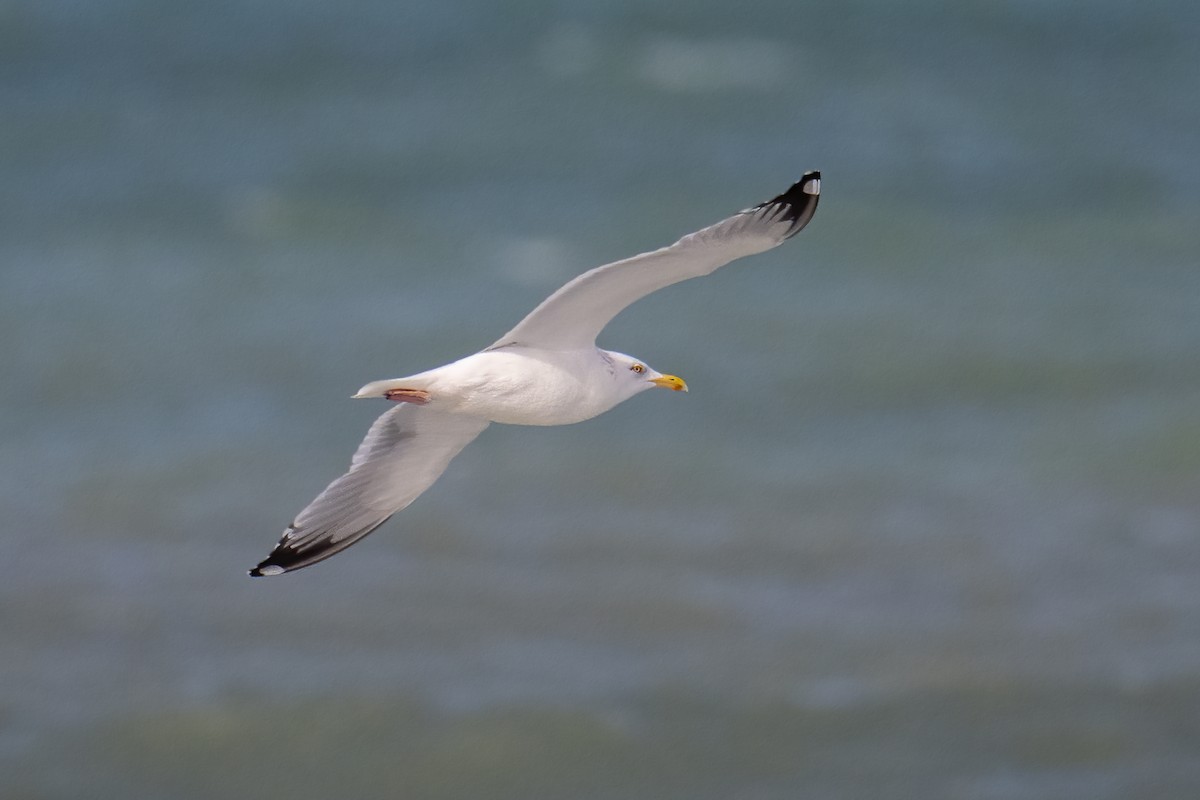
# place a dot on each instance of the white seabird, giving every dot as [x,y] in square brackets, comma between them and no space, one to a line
[545,371]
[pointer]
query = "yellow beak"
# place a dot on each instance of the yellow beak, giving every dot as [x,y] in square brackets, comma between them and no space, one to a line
[670,382]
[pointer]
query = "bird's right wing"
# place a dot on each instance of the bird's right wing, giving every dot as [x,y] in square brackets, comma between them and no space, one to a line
[571,318]
[404,452]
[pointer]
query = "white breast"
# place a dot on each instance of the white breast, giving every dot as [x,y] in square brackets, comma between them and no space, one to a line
[524,386]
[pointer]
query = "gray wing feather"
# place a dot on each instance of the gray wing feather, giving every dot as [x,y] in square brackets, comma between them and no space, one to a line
[404,452]
[572,317]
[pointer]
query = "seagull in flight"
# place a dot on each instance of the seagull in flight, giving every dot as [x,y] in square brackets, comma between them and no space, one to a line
[545,371]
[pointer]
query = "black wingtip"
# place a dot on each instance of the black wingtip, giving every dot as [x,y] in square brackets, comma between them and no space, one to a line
[281,559]
[798,203]
[278,562]
[295,552]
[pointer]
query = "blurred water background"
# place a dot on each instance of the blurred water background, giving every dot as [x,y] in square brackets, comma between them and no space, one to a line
[925,527]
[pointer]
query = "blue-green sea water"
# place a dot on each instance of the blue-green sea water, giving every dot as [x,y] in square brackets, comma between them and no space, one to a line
[926,526]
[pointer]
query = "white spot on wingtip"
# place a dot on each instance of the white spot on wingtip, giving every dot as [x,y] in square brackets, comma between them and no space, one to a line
[811,186]
[271,569]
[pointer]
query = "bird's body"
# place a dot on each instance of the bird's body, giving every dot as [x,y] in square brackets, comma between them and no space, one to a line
[519,385]
[545,371]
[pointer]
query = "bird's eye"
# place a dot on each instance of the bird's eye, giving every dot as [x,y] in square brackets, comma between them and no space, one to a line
[638,368]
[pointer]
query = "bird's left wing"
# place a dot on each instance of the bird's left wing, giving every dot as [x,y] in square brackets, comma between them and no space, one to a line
[571,318]
[404,452]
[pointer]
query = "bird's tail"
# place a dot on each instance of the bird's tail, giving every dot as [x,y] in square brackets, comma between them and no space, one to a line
[381,388]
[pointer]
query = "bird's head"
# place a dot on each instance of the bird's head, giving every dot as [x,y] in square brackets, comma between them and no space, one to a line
[634,375]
